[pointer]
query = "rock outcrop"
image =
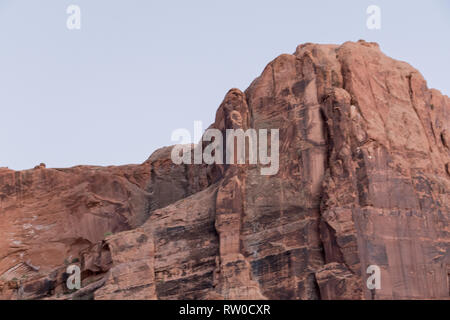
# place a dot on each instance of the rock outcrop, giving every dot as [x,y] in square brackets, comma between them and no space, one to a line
[364,179]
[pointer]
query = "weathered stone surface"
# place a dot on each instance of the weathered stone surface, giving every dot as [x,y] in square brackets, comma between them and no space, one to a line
[363,180]
[49,215]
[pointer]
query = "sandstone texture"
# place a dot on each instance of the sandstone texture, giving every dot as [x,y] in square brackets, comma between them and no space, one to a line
[364,179]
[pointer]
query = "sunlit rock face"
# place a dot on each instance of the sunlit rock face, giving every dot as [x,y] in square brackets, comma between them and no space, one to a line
[363,180]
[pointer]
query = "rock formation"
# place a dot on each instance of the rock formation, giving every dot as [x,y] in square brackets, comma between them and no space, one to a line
[364,179]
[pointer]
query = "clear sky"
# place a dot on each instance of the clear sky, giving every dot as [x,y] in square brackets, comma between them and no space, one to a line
[113,91]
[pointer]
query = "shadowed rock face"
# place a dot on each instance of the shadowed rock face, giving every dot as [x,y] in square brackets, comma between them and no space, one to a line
[364,179]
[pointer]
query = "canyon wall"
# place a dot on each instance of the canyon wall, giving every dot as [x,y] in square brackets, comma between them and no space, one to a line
[364,179]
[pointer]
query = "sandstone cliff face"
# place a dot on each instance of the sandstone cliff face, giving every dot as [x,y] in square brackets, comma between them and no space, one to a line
[364,179]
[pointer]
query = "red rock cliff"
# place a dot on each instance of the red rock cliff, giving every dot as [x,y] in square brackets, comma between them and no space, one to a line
[364,179]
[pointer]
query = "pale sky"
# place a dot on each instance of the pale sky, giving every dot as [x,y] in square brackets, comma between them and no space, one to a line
[112,92]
